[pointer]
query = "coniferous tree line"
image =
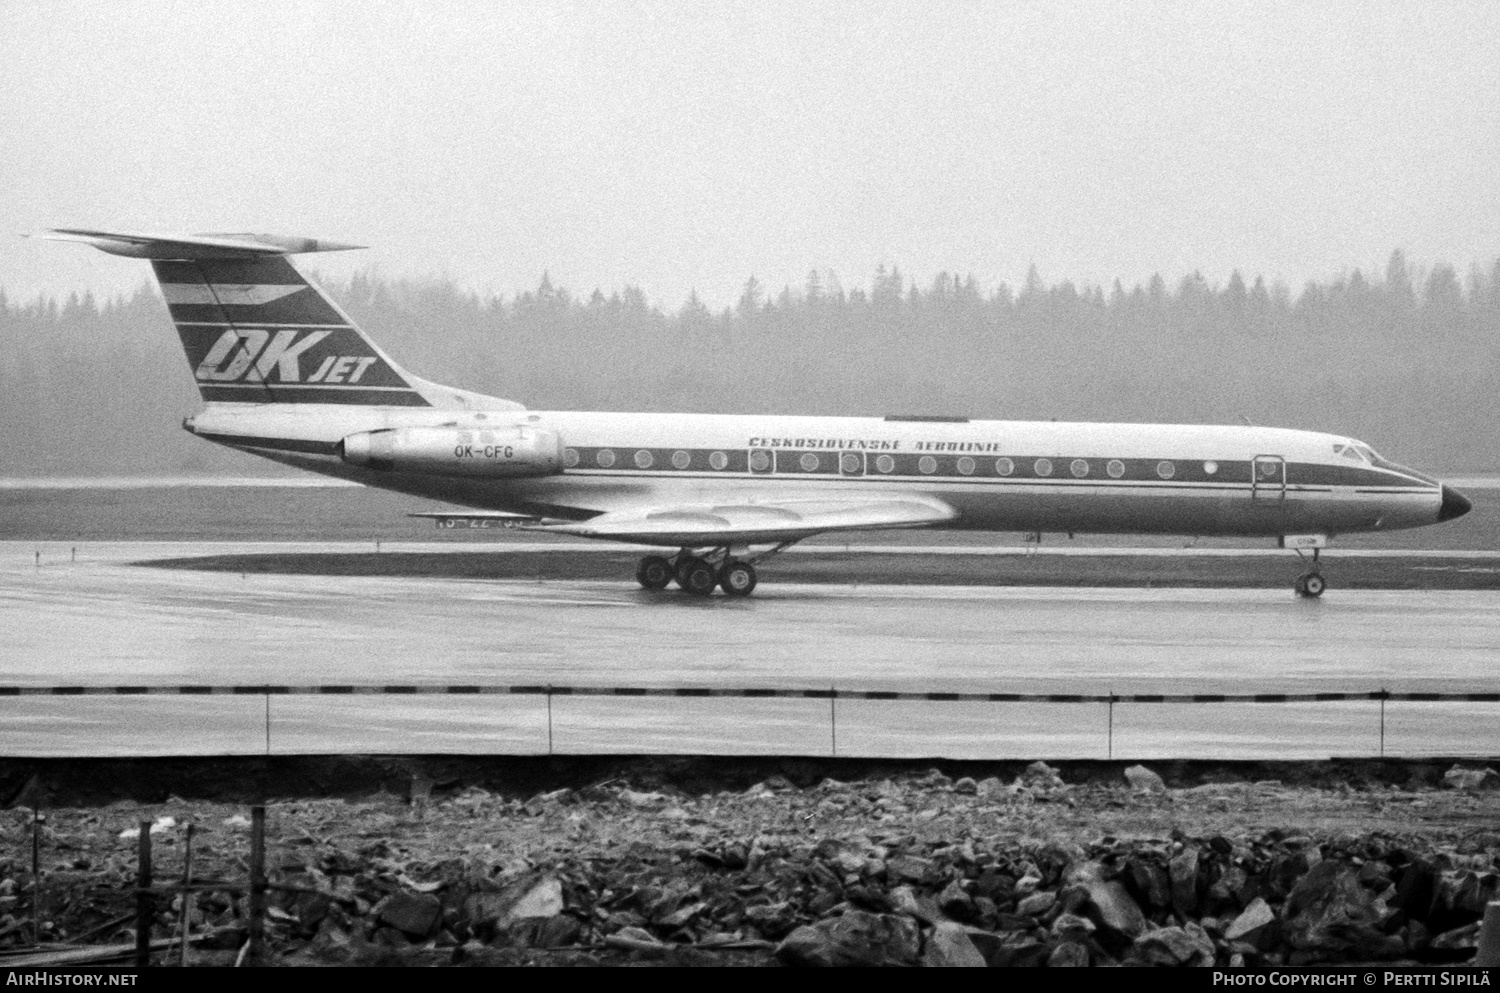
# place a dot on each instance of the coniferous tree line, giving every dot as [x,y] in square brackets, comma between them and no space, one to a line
[1405,360]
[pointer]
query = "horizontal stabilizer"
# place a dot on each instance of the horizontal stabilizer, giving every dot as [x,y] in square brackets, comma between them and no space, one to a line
[760,522]
[139,245]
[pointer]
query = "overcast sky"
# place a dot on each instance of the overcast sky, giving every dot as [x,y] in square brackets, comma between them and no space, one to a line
[681,146]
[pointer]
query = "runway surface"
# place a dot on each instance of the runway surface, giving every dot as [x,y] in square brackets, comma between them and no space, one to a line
[103,621]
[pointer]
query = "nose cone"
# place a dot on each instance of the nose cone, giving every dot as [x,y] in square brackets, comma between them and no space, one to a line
[1455,504]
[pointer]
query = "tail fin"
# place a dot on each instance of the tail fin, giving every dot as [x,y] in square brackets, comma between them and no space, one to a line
[256,330]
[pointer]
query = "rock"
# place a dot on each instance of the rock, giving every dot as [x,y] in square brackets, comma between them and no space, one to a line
[995,885]
[1068,924]
[642,800]
[1329,911]
[909,869]
[1188,946]
[949,945]
[1041,775]
[684,915]
[1143,780]
[414,914]
[1151,881]
[1469,779]
[1254,917]
[956,902]
[1069,953]
[1466,892]
[1183,870]
[987,943]
[1459,938]
[773,920]
[637,940]
[990,788]
[904,900]
[1226,889]
[557,931]
[966,786]
[1017,951]
[855,939]
[1109,904]
[1414,891]
[545,899]
[1037,904]
[1115,909]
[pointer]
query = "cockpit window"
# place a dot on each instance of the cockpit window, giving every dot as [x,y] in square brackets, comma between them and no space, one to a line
[1360,452]
[1349,452]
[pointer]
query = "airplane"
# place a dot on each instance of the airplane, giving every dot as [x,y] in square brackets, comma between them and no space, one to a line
[285,374]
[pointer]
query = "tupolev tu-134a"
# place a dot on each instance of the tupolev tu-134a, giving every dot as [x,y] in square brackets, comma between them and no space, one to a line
[286,375]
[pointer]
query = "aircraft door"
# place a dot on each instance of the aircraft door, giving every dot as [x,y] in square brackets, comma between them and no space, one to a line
[1268,478]
[852,464]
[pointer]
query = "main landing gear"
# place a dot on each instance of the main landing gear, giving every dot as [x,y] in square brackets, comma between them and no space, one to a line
[1310,584]
[701,574]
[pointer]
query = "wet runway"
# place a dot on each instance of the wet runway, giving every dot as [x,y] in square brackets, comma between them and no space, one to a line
[102,621]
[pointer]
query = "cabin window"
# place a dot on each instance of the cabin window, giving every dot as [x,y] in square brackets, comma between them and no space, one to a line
[1116,468]
[1004,466]
[1268,470]
[570,457]
[1080,468]
[760,461]
[1043,467]
[849,464]
[605,458]
[809,462]
[1210,467]
[643,459]
[966,466]
[717,461]
[885,463]
[927,464]
[681,460]
[1166,470]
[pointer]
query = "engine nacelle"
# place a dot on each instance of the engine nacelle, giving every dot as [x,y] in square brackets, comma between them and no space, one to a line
[492,453]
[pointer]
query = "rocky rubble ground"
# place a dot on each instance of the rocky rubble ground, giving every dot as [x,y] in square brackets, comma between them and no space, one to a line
[905,871]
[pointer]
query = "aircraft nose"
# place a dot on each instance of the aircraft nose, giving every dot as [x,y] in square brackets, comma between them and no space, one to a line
[1455,504]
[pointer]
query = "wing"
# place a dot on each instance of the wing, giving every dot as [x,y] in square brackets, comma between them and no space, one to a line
[758,522]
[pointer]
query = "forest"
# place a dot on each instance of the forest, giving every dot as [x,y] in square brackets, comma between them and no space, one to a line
[1405,359]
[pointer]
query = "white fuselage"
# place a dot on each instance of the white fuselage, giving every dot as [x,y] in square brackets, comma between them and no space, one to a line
[997,475]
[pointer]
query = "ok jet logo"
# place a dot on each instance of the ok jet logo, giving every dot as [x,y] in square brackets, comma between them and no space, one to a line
[250,355]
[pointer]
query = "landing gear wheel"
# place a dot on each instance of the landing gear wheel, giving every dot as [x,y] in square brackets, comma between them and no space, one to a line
[654,572]
[698,578]
[1311,585]
[680,569]
[738,578]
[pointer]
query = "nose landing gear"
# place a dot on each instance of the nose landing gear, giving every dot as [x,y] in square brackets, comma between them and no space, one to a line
[1310,584]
